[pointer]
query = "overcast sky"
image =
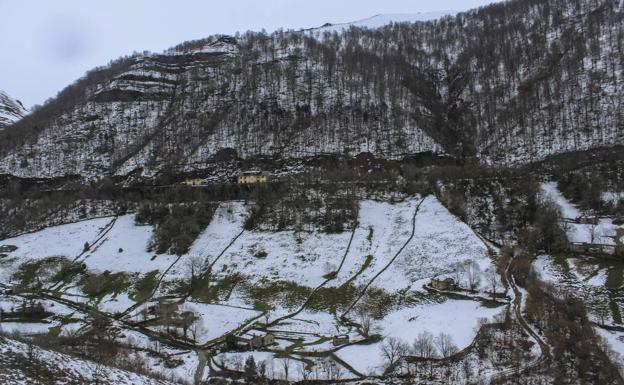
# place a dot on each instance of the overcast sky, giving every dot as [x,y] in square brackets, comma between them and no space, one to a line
[47,44]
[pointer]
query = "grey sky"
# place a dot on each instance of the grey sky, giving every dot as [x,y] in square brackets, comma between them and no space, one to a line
[47,44]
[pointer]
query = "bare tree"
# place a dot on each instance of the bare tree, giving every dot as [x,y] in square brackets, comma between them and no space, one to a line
[365,320]
[332,370]
[592,232]
[423,345]
[304,370]
[193,269]
[492,277]
[393,349]
[446,346]
[198,328]
[473,273]
[286,362]
[458,273]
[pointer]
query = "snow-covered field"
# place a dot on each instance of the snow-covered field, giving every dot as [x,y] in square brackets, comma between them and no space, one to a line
[383,253]
[64,240]
[124,248]
[217,320]
[440,241]
[573,275]
[459,319]
[120,248]
[603,232]
[568,210]
[597,285]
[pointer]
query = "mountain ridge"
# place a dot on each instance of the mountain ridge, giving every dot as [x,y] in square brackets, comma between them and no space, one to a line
[11,110]
[479,87]
[382,19]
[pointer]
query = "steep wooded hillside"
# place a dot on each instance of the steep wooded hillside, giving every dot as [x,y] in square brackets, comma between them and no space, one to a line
[509,83]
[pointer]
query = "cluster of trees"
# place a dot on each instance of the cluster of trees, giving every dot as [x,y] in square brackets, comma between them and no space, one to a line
[585,190]
[177,225]
[305,206]
[282,368]
[589,188]
[547,232]
[425,346]
[467,274]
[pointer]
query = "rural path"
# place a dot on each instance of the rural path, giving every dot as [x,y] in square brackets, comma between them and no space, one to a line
[380,272]
[101,235]
[316,289]
[516,304]
[201,277]
[56,285]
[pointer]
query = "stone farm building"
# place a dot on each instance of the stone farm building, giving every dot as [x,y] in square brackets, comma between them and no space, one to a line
[257,341]
[443,284]
[341,339]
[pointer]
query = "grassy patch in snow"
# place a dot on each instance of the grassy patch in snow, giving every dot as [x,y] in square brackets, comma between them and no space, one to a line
[144,287]
[210,289]
[97,285]
[52,269]
[367,261]
[283,293]
[291,295]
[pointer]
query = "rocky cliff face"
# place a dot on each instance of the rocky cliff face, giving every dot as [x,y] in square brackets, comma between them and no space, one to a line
[509,83]
[11,110]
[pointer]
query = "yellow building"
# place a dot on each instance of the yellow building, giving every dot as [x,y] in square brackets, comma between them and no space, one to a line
[249,178]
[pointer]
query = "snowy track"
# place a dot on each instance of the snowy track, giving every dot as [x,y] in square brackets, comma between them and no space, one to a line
[316,289]
[370,282]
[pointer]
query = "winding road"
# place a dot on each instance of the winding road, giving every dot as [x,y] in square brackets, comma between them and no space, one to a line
[516,304]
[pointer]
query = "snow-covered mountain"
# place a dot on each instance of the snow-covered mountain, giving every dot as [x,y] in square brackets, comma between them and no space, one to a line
[11,110]
[381,20]
[510,83]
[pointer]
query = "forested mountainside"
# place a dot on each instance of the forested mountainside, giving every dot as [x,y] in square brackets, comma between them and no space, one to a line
[11,110]
[509,83]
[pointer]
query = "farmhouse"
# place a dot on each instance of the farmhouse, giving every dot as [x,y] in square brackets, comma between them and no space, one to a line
[257,341]
[252,177]
[443,284]
[341,339]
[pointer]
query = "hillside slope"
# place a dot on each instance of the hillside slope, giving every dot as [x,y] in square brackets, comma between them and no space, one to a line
[11,110]
[509,83]
[25,364]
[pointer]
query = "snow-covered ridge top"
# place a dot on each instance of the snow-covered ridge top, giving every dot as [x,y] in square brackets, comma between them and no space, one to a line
[224,45]
[381,20]
[11,110]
